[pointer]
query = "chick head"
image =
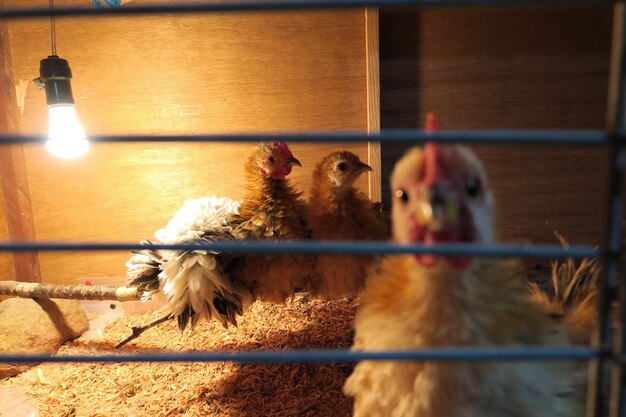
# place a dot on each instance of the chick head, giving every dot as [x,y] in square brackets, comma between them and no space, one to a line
[440,194]
[342,168]
[274,160]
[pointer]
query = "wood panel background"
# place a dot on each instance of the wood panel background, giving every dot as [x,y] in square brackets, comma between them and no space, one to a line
[16,222]
[189,74]
[8,118]
[509,67]
[478,67]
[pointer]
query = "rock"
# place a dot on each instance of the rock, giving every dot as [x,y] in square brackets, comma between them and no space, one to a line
[41,326]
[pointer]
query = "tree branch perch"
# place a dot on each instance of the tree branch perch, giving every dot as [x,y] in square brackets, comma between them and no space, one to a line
[73,292]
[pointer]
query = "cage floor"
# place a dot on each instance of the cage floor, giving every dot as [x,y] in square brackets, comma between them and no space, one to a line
[205,389]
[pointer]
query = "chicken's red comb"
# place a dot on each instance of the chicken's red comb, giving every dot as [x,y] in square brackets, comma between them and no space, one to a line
[431,125]
[434,165]
[282,146]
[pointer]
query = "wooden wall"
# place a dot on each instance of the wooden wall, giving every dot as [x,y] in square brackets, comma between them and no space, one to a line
[477,67]
[509,67]
[214,73]
[8,117]
[16,222]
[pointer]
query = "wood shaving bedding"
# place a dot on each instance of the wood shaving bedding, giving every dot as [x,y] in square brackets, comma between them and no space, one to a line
[204,389]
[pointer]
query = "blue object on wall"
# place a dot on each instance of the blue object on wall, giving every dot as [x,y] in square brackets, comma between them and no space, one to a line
[110,3]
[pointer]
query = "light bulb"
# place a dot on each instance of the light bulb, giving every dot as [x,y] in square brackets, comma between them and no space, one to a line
[66,136]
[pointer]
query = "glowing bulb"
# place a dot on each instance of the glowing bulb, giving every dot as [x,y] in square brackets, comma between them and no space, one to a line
[66,136]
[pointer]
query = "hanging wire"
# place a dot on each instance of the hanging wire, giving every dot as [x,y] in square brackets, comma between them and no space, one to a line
[53,37]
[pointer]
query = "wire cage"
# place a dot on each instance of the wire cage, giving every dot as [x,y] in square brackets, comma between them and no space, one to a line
[608,352]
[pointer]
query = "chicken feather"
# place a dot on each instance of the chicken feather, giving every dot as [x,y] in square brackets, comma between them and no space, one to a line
[199,285]
[441,194]
[572,295]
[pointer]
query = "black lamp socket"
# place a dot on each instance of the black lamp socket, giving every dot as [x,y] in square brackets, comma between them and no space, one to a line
[55,75]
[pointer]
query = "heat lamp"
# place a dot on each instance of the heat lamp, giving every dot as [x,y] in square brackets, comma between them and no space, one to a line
[66,138]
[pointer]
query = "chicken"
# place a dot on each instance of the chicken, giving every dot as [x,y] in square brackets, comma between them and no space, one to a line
[199,285]
[441,195]
[572,295]
[177,272]
[338,211]
[272,210]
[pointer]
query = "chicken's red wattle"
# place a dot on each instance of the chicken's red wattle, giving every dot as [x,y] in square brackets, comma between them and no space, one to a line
[281,173]
[424,236]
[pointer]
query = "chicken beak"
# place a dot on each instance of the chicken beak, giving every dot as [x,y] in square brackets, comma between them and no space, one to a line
[438,210]
[438,207]
[363,167]
[294,161]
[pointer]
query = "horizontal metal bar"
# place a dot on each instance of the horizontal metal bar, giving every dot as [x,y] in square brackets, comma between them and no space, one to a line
[339,355]
[243,6]
[323,247]
[554,137]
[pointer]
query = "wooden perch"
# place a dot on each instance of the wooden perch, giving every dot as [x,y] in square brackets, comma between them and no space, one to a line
[73,292]
[81,292]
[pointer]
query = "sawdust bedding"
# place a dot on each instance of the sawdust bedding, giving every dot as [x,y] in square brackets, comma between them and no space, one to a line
[204,389]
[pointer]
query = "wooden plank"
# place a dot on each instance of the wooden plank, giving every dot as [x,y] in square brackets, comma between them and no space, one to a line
[373,100]
[17,213]
[516,67]
[227,73]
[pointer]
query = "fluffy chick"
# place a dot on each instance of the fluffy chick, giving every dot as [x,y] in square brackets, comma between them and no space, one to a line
[441,194]
[272,210]
[338,211]
[572,295]
[199,285]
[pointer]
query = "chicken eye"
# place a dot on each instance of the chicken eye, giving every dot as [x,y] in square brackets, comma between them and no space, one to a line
[341,166]
[402,195]
[472,187]
[271,159]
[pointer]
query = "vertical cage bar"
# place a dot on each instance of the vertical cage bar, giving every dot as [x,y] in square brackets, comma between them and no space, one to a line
[616,124]
[616,115]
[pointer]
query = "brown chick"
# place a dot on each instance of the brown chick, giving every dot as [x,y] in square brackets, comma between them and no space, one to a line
[338,211]
[441,195]
[271,210]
